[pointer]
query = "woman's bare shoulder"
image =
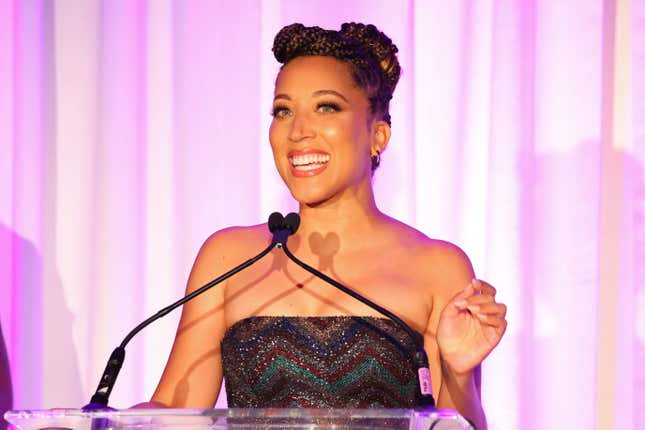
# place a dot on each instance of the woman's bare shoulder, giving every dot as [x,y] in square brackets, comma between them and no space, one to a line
[225,249]
[440,263]
[424,245]
[231,241]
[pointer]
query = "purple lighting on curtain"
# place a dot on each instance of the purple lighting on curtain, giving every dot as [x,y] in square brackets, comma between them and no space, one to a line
[119,178]
[132,130]
[26,235]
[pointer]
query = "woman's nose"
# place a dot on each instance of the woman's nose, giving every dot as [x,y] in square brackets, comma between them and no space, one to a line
[301,127]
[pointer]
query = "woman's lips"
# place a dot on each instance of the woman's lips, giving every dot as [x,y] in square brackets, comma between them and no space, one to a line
[309,172]
[308,163]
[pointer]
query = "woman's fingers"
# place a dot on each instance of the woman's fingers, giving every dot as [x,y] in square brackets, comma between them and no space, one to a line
[480,299]
[494,321]
[461,300]
[478,293]
[483,287]
[492,308]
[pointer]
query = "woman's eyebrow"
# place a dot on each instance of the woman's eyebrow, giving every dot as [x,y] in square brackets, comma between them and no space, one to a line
[332,92]
[315,94]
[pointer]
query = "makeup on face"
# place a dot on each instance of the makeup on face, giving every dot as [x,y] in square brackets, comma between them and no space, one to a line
[318,134]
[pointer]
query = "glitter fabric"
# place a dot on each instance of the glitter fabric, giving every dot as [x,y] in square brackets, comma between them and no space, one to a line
[318,362]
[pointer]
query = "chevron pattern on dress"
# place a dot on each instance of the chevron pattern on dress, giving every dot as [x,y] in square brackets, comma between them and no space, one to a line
[319,362]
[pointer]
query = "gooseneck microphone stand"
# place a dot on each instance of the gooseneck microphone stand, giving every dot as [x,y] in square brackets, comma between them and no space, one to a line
[281,228]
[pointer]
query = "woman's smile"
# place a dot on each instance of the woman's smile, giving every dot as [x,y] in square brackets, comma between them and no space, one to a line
[307,163]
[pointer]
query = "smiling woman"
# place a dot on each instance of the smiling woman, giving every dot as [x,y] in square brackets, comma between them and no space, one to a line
[300,342]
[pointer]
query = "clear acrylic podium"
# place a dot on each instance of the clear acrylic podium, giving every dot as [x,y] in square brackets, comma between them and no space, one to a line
[221,419]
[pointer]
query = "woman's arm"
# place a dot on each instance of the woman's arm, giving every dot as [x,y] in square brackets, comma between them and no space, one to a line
[193,373]
[460,392]
[465,324]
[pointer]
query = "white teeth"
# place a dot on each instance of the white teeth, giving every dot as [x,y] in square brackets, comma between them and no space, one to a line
[308,167]
[309,161]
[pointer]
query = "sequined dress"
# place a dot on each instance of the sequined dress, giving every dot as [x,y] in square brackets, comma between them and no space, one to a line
[318,362]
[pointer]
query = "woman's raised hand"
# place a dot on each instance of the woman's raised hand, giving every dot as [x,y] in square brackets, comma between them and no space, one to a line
[470,326]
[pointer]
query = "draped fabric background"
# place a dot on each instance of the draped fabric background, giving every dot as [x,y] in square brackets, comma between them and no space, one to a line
[131,130]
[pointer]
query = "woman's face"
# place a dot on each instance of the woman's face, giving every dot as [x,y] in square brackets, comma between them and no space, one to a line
[321,128]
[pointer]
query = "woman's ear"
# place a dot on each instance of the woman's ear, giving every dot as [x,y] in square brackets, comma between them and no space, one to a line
[381,133]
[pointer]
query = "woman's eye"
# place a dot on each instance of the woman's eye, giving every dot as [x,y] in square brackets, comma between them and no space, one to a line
[328,107]
[279,112]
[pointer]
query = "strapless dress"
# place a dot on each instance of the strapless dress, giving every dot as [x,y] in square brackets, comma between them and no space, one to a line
[319,362]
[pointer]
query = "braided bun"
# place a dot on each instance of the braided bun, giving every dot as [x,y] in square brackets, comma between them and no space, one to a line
[380,47]
[370,53]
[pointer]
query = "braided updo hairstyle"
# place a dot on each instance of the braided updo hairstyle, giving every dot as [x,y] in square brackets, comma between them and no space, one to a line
[370,53]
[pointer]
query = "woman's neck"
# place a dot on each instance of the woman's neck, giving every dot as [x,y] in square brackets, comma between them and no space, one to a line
[352,217]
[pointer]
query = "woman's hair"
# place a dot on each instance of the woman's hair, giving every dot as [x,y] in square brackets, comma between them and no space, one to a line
[369,52]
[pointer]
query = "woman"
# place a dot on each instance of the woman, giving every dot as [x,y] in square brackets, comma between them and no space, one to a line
[284,338]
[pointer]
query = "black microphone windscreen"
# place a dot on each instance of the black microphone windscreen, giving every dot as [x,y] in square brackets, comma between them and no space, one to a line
[275,221]
[292,222]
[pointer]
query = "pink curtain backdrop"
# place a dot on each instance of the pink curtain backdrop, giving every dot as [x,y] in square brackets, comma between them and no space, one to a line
[131,130]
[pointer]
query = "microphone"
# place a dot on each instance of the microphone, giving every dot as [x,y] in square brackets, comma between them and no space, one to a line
[275,221]
[287,226]
[420,357]
[278,225]
[292,222]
